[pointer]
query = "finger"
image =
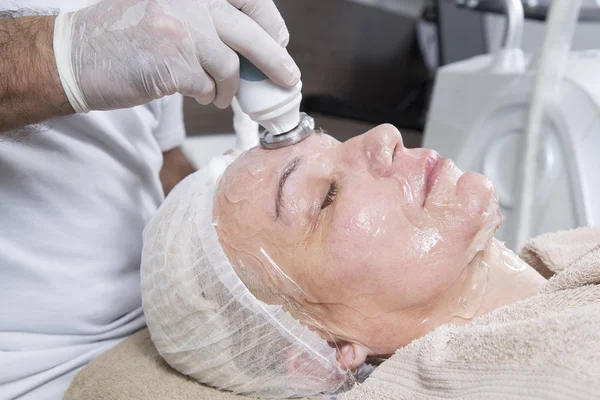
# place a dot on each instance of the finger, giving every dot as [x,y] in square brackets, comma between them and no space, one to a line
[267,16]
[199,85]
[219,61]
[245,36]
[224,68]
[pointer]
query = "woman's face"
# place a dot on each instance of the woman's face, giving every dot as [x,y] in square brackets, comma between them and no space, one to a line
[361,240]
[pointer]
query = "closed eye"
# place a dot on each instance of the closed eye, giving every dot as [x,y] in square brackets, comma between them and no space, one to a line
[330,197]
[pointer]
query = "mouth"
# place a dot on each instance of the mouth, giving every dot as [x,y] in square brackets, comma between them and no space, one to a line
[433,171]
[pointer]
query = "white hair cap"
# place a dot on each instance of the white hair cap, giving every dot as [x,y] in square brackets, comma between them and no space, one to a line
[204,321]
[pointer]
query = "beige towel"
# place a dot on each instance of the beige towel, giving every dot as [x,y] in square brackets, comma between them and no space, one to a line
[133,370]
[545,347]
[551,252]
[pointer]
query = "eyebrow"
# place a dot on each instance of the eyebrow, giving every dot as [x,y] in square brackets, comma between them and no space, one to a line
[289,169]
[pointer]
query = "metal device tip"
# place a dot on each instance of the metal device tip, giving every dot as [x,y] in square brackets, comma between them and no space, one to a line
[303,130]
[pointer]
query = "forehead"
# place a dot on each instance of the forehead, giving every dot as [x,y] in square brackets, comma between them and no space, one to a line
[249,177]
[259,166]
[247,192]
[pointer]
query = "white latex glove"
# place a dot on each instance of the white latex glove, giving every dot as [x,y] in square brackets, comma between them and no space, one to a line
[123,53]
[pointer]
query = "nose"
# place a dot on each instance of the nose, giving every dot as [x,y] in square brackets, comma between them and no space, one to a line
[379,147]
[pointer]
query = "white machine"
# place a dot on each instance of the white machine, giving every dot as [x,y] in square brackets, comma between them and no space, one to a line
[488,112]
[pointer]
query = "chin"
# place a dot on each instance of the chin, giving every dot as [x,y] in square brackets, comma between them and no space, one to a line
[481,204]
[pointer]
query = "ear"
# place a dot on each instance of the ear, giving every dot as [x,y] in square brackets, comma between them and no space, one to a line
[352,355]
[299,362]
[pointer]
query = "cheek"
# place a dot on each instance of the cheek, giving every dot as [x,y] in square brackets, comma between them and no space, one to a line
[357,225]
[381,257]
[362,242]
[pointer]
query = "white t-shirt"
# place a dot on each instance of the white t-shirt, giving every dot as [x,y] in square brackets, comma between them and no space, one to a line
[74,199]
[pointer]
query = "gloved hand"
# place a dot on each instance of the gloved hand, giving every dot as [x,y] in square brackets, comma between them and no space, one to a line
[123,53]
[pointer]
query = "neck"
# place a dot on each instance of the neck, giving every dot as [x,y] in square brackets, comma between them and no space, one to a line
[511,279]
[495,277]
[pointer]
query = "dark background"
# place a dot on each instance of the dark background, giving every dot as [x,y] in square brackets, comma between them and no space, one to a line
[358,53]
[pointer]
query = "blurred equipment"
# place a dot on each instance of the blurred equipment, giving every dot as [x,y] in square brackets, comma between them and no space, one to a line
[530,124]
[409,8]
[533,9]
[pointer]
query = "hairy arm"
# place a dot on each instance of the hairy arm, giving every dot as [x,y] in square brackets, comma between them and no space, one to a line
[30,88]
[175,167]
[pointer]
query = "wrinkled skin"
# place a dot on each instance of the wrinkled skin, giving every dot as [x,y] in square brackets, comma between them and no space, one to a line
[387,255]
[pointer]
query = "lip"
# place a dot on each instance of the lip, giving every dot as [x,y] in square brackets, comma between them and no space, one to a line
[432,175]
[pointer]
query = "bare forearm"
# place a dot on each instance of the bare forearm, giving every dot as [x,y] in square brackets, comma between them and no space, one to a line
[30,88]
[175,167]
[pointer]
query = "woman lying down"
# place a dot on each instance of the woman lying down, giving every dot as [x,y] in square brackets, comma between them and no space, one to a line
[283,273]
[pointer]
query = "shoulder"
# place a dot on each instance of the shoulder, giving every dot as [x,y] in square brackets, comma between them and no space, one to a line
[551,342]
[548,347]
